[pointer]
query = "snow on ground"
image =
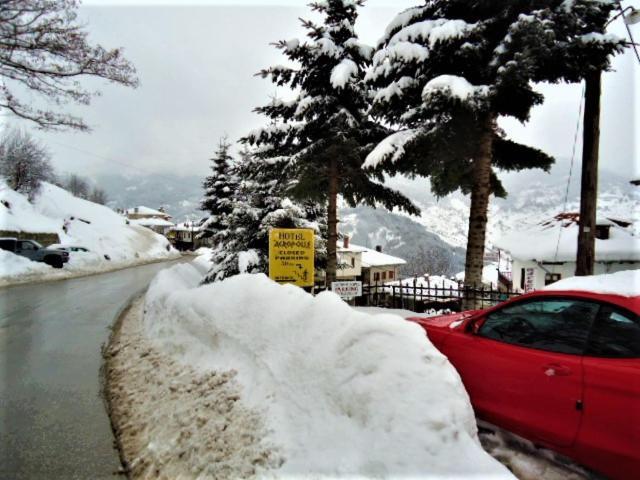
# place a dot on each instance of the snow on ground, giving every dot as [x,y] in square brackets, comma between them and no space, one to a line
[15,265]
[77,222]
[173,421]
[625,283]
[387,311]
[525,460]
[342,393]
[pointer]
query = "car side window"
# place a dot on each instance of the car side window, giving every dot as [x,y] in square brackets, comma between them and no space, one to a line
[555,325]
[615,334]
[27,246]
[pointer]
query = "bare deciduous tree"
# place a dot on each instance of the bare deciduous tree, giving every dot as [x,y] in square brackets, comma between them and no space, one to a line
[77,186]
[45,51]
[98,195]
[24,162]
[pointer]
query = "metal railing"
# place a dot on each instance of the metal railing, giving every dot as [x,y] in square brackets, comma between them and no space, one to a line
[423,297]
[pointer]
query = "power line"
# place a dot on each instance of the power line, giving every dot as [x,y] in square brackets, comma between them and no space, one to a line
[573,157]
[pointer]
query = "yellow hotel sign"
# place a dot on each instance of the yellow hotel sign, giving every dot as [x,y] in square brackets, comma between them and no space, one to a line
[291,256]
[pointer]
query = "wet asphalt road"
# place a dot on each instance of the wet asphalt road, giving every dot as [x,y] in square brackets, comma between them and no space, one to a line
[53,424]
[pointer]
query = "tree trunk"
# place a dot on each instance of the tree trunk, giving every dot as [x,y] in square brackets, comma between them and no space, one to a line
[589,184]
[481,189]
[332,223]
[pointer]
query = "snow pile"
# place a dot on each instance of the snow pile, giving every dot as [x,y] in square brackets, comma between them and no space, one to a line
[625,283]
[82,223]
[425,286]
[12,265]
[343,393]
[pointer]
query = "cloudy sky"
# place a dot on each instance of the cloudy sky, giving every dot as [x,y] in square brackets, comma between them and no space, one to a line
[196,66]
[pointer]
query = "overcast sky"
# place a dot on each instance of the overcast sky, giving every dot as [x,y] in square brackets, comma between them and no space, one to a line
[196,66]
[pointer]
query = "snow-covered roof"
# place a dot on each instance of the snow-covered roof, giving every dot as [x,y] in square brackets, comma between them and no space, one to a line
[142,210]
[151,222]
[373,258]
[557,241]
[625,283]
[186,227]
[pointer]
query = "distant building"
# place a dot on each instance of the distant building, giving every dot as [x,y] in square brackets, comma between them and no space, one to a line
[156,220]
[190,235]
[547,253]
[365,264]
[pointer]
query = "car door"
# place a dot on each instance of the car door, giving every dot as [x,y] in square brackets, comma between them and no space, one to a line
[27,249]
[523,366]
[609,437]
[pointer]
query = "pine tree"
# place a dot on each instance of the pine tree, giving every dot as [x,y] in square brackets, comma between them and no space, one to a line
[259,204]
[219,189]
[325,133]
[446,71]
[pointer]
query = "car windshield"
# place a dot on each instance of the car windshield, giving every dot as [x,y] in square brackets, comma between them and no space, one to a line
[36,244]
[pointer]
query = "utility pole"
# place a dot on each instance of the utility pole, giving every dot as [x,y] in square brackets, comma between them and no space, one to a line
[585,257]
[589,181]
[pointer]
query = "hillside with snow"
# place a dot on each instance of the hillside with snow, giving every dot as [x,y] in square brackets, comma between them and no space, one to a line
[111,241]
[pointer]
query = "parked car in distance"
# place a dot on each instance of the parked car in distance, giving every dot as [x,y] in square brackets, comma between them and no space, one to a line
[559,368]
[34,251]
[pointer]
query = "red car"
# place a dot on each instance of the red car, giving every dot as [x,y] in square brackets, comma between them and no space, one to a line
[560,368]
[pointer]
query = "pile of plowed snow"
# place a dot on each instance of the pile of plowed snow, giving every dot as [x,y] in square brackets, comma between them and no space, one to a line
[343,393]
[77,222]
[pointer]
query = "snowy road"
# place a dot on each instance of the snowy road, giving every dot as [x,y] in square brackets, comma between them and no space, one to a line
[52,421]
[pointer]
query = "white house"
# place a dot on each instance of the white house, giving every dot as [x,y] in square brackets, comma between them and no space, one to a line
[547,252]
[156,220]
[366,264]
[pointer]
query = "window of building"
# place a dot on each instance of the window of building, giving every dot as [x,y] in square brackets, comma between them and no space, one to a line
[550,278]
[376,276]
[391,275]
[384,275]
[353,262]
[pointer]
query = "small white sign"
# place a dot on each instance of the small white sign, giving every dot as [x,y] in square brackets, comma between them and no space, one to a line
[347,289]
[529,280]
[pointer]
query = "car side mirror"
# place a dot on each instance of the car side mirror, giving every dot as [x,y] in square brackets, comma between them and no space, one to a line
[476,324]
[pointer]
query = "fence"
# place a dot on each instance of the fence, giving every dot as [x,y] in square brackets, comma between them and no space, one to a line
[421,297]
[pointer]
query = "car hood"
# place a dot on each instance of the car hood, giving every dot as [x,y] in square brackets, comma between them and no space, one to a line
[451,320]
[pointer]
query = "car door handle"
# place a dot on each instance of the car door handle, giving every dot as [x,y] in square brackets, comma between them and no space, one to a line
[556,370]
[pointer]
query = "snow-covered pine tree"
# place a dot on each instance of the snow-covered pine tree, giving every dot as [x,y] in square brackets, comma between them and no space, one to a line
[446,71]
[324,133]
[259,204]
[219,189]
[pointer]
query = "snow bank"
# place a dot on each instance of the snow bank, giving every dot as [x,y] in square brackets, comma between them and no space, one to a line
[625,283]
[81,223]
[13,265]
[344,393]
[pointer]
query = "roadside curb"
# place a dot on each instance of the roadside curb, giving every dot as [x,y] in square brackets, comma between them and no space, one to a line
[105,374]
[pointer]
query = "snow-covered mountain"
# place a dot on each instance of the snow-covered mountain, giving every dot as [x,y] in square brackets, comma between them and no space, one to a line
[440,230]
[533,197]
[179,195]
